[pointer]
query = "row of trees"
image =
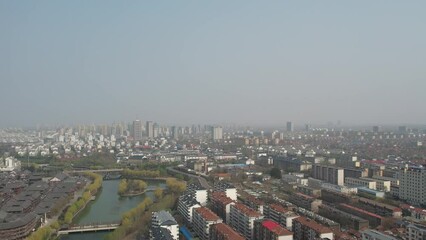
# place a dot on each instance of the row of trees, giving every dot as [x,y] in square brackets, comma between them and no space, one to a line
[131,186]
[137,219]
[96,184]
[44,232]
[130,219]
[85,198]
[127,173]
[175,186]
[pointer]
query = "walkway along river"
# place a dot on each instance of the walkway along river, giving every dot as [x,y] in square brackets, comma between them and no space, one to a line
[108,207]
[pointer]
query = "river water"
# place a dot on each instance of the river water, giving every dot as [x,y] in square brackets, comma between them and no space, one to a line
[108,207]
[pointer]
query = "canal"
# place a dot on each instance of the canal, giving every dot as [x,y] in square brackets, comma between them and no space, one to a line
[108,207]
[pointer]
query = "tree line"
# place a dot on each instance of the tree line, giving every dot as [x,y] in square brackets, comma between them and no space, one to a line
[91,190]
[130,186]
[132,174]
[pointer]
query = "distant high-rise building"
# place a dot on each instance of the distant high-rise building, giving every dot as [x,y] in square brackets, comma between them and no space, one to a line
[290,127]
[156,130]
[150,129]
[137,130]
[175,132]
[217,133]
[308,127]
[402,129]
[376,129]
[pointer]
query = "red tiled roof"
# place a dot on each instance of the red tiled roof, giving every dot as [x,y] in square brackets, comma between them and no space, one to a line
[269,224]
[278,208]
[361,210]
[227,232]
[313,225]
[246,210]
[207,214]
[221,197]
[304,196]
[255,200]
[276,228]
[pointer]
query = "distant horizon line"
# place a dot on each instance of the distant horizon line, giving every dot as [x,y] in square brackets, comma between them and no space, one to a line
[296,124]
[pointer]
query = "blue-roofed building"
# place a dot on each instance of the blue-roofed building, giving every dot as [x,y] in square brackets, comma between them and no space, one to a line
[184,233]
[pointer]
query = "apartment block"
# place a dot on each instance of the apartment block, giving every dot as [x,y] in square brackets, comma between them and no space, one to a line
[221,205]
[382,209]
[306,229]
[222,231]
[202,220]
[328,173]
[381,185]
[373,219]
[242,219]
[305,201]
[254,203]
[198,192]
[345,219]
[164,220]
[186,204]
[412,182]
[361,182]
[415,232]
[370,234]
[229,189]
[270,230]
[280,215]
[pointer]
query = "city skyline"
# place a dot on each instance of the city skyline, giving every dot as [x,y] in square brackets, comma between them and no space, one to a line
[249,63]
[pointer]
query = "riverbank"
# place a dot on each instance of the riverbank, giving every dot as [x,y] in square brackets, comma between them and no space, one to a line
[133,194]
[108,207]
[89,192]
[136,221]
[50,229]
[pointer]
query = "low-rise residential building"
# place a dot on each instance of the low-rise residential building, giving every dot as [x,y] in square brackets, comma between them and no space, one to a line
[14,227]
[361,182]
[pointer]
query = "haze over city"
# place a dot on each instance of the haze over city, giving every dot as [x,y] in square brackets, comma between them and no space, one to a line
[259,63]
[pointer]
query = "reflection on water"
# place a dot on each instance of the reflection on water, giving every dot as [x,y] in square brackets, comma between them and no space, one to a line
[107,207]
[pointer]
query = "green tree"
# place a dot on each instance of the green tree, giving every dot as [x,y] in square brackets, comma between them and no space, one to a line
[175,186]
[122,186]
[276,173]
[158,193]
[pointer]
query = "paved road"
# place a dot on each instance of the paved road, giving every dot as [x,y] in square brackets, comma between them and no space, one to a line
[201,180]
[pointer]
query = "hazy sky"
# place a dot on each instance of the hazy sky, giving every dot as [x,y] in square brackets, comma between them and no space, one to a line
[251,62]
